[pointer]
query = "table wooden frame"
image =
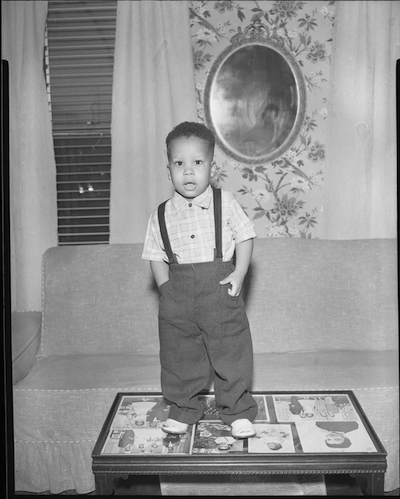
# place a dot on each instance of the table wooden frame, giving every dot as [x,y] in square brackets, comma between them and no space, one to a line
[369,465]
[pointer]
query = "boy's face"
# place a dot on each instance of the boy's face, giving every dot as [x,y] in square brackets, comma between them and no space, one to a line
[190,166]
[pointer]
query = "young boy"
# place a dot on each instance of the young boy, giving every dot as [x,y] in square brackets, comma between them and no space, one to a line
[190,242]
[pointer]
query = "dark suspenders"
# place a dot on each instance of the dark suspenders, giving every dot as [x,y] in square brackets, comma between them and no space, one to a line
[218,224]
[164,233]
[218,228]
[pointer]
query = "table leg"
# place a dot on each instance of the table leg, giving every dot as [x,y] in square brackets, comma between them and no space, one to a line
[375,483]
[105,484]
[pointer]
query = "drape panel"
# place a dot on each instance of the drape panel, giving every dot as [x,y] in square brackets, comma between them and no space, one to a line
[33,197]
[153,90]
[361,176]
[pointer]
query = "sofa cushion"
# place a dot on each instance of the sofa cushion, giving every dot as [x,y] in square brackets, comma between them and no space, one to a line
[98,299]
[300,295]
[304,295]
[92,372]
[69,399]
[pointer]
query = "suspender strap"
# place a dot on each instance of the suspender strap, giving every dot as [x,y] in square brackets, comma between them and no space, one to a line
[164,233]
[218,224]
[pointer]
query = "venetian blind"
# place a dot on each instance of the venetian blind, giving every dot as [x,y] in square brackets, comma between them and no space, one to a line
[79,56]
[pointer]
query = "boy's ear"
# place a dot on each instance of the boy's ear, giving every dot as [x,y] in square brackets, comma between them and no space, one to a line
[165,155]
[166,159]
[213,170]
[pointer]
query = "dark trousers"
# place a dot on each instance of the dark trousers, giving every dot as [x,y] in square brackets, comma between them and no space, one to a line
[202,326]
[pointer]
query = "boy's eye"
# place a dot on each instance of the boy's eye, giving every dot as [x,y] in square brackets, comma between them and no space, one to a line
[178,163]
[198,161]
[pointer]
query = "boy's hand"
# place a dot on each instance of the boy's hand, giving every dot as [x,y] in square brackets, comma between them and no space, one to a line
[244,251]
[236,281]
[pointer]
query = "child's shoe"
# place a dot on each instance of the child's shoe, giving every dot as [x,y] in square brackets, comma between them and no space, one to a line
[174,427]
[243,428]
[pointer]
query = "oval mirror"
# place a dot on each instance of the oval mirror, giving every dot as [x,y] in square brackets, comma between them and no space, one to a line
[255,98]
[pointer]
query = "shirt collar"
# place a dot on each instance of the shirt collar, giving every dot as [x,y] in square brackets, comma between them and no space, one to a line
[203,201]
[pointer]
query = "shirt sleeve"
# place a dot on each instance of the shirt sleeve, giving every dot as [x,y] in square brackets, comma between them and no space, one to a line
[152,249]
[240,224]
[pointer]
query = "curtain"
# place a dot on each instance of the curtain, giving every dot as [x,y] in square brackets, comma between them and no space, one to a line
[153,90]
[360,181]
[33,197]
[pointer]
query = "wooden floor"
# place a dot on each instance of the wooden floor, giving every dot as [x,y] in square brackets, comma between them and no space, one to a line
[150,486]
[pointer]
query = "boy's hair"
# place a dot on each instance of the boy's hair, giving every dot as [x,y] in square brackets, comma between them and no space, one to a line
[190,129]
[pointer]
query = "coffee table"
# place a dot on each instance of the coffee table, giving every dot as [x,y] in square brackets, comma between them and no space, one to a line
[305,432]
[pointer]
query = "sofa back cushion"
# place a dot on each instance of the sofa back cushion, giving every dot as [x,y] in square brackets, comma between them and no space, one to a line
[311,294]
[98,299]
[300,295]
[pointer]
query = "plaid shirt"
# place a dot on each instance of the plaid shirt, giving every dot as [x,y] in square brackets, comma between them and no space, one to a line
[190,226]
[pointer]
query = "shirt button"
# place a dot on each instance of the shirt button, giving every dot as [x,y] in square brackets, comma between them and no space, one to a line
[190,205]
[192,236]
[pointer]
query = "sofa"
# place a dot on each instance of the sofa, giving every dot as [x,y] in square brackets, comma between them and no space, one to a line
[323,316]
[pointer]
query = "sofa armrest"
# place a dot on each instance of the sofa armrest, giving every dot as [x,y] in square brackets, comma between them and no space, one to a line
[25,340]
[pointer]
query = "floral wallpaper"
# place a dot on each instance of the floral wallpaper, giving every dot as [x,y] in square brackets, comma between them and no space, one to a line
[284,197]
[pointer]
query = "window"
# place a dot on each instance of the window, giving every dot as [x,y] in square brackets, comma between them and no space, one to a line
[79,57]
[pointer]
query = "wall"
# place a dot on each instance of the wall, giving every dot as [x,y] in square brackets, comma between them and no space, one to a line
[284,198]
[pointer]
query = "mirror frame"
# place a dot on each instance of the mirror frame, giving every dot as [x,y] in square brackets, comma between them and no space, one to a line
[256,34]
